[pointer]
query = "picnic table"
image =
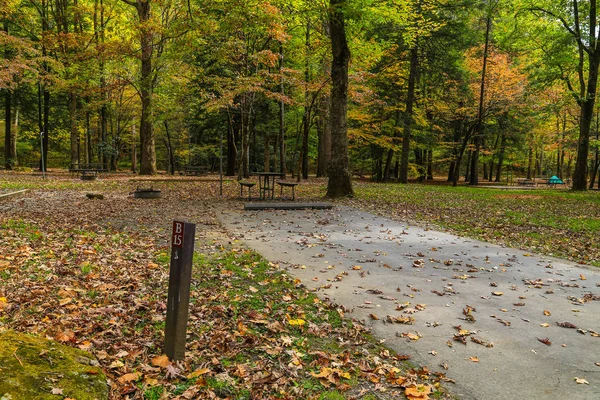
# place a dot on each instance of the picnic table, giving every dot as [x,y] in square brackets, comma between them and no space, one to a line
[88,171]
[266,183]
[192,170]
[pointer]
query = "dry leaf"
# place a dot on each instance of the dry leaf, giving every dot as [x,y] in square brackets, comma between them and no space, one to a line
[581,381]
[582,277]
[161,361]
[474,359]
[547,313]
[131,377]
[546,341]
[497,293]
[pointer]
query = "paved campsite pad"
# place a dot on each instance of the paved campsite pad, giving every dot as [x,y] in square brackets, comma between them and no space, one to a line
[388,272]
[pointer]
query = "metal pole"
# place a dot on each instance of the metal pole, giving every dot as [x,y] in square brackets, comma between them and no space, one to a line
[43,167]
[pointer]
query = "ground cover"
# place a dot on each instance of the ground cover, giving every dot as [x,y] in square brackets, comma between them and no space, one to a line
[93,274]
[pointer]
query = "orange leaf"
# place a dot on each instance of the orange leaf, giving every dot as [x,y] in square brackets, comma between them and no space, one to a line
[474,359]
[129,377]
[161,361]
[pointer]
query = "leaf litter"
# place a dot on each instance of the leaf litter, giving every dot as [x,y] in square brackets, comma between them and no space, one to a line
[94,273]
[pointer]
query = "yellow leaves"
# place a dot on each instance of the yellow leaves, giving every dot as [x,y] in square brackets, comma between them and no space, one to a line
[329,376]
[65,336]
[3,302]
[410,336]
[295,322]
[417,392]
[131,377]
[582,277]
[581,381]
[197,373]
[497,293]
[474,359]
[547,313]
[161,361]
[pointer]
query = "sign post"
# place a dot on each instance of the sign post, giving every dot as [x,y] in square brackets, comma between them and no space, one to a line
[180,276]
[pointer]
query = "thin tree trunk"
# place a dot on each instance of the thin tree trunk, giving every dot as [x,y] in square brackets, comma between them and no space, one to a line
[501,155]
[408,115]
[282,166]
[478,139]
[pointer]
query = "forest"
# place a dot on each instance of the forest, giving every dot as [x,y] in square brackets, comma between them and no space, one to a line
[394,90]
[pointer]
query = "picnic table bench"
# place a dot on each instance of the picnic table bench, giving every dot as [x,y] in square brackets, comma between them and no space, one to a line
[87,171]
[526,182]
[194,170]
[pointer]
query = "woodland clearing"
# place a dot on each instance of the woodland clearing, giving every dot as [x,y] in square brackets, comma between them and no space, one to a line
[93,274]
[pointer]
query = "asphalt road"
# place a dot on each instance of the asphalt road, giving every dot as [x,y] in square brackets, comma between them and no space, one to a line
[480,312]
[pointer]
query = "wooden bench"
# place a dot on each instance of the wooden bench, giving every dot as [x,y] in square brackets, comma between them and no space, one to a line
[283,184]
[249,185]
[526,182]
[194,171]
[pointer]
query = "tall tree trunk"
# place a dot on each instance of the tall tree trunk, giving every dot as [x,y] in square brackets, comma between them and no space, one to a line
[232,135]
[9,159]
[501,155]
[306,119]
[478,139]
[339,183]
[169,146]
[147,138]
[587,99]
[10,153]
[282,165]
[74,136]
[408,115]
[530,163]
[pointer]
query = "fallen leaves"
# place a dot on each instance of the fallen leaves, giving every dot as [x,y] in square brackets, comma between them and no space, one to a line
[546,341]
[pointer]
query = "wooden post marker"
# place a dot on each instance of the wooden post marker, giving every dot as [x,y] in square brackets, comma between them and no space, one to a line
[180,276]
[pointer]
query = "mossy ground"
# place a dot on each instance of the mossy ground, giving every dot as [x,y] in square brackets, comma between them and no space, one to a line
[32,367]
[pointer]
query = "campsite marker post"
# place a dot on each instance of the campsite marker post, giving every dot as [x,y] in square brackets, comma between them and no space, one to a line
[180,277]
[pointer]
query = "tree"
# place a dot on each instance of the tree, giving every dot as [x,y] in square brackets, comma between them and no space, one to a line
[339,184]
[578,19]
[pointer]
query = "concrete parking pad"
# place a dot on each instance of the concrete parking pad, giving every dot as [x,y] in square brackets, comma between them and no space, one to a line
[503,323]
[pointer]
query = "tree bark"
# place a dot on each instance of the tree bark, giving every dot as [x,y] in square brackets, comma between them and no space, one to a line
[282,165]
[74,136]
[339,183]
[478,138]
[408,115]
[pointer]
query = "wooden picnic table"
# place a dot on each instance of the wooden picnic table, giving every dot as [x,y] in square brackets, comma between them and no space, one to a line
[266,183]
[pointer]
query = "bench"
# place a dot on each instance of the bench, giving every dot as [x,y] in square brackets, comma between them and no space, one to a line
[88,171]
[194,171]
[526,182]
[283,184]
[244,184]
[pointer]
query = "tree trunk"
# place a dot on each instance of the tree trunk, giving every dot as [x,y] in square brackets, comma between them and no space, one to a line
[9,158]
[501,154]
[478,139]
[339,184]
[282,166]
[530,163]
[169,146]
[147,140]
[74,136]
[408,115]
[232,136]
